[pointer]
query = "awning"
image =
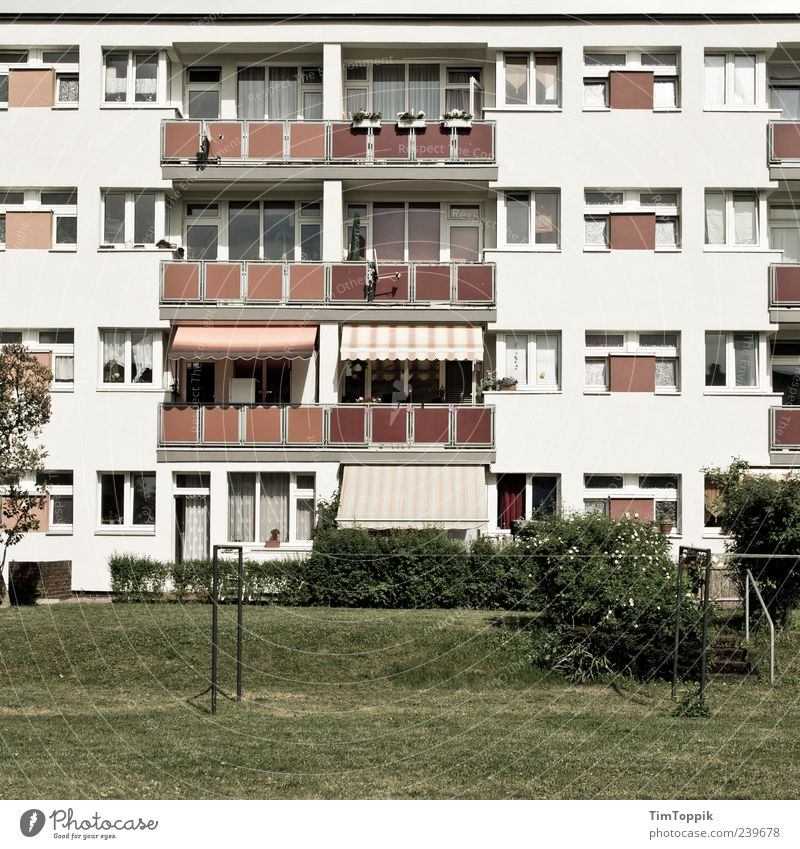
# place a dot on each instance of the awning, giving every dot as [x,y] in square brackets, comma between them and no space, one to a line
[411,342]
[413,497]
[193,342]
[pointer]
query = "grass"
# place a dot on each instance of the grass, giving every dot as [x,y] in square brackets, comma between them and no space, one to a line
[358,703]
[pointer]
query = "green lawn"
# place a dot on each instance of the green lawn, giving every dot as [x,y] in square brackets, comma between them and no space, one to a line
[358,703]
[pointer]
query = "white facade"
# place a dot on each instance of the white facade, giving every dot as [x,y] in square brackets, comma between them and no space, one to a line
[561,422]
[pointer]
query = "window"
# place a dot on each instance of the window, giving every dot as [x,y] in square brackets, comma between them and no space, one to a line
[663,64]
[533,359]
[732,219]
[130,357]
[647,498]
[133,76]
[601,346]
[54,348]
[203,92]
[415,381]
[732,360]
[278,92]
[59,487]
[538,211]
[531,79]
[133,219]
[258,503]
[601,205]
[64,60]
[8,199]
[734,80]
[516,491]
[127,499]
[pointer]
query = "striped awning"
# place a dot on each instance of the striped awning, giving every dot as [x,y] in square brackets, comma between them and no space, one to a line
[380,497]
[411,342]
[247,342]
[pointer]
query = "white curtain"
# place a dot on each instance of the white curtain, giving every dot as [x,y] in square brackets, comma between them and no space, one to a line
[744,358]
[275,505]
[664,94]
[113,357]
[744,219]
[517,357]
[596,372]
[666,372]
[116,76]
[715,80]
[596,231]
[195,527]
[64,369]
[146,78]
[305,518]
[546,79]
[744,80]
[715,219]
[282,93]
[786,240]
[546,359]
[666,232]
[241,507]
[517,80]
[423,90]
[142,356]
[252,91]
[594,94]
[388,90]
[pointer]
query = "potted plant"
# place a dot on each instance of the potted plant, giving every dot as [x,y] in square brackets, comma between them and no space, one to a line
[665,526]
[362,120]
[457,118]
[407,120]
[507,384]
[274,538]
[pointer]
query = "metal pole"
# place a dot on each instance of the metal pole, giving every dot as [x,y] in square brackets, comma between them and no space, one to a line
[239,629]
[214,628]
[681,559]
[704,655]
[747,607]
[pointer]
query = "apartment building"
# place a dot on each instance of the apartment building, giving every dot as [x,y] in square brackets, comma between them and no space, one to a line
[459,266]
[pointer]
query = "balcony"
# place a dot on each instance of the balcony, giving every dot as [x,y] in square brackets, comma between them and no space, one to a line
[448,286]
[241,145]
[784,292]
[784,150]
[439,433]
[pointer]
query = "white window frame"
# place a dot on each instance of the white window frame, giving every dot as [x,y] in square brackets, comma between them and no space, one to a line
[127,526]
[632,62]
[157,384]
[531,105]
[762,222]
[56,491]
[531,244]
[763,366]
[130,101]
[761,93]
[130,205]
[35,56]
[631,344]
[30,339]
[303,87]
[631,489]
[32,202]
[632,203]
[537,384]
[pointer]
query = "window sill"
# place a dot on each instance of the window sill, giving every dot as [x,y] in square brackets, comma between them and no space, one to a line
[112,106]
[738,249]
[596,249]
[668,250]
[72,249]
[510,109]
[709,534]
[129,387]
[59,532]
[69,389]
[525,390]
[755,392]
[125,249]
[66,107]
[525,249]
[596,391]
[759,109]
[124,531]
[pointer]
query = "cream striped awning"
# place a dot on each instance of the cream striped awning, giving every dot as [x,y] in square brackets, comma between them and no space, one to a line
[380,497]
[411,342]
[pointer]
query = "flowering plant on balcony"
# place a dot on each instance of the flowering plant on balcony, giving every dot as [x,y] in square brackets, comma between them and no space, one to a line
[457,118]
[368,399]
[367,119]
[410,116]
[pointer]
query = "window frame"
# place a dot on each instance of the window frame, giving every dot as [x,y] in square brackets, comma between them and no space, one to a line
[127,525]
[631,202]
[761,92]
[303,88]
[631,344]
[631,489]
[761,224]
[763,378]
[129,225]
[59,491]
[531,103]
[598,73]
[30,338]
[531,370]
[157,383]
[35,59]
[129,101]
[531,244]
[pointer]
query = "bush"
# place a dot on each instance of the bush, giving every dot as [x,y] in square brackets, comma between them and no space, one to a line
[610,597]
[135,577]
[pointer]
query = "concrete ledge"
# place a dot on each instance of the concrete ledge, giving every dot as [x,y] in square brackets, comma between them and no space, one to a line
[321,313]
[365,457]
[315,172]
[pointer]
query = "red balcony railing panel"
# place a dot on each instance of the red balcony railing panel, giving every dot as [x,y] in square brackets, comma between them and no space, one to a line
[223,281]
[432,283]
[265,139]
[390,424]
[786,141]
[473,426]
[181,139]
[221,424]
[786,428]
[263,425]
[307,140]
[307,282]
[390,288]
[225,139]
[304,426]
[348,281]
[264,281]
[475,142]
[433,142]
[182,281]
[431,426]
[179,424]
[787,284]
[347,425]
[347,143]
[474,283]
[391,142]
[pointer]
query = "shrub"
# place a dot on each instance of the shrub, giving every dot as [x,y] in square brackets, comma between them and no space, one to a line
[136,577]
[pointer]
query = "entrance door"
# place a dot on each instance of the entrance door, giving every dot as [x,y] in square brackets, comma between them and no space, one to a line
[199,383]
[191,527]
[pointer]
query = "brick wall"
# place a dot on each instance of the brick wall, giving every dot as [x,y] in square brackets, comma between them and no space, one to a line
[30,580]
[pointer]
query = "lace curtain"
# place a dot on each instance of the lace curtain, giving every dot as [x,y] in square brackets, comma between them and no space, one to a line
[241,507]
[195,527]
[274,507]
[142,356]
[113,357]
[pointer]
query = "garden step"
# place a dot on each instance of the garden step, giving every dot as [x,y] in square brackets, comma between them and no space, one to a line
[729,657]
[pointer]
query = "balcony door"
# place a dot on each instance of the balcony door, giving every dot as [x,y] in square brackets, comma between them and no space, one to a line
[200,379]
[191,527]
[786,370]
[203,93]
[784,231]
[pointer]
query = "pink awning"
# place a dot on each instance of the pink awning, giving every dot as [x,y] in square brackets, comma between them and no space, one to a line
[246,343]
[411,342]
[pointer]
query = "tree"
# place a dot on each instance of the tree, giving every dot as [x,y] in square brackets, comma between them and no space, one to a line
[24,411]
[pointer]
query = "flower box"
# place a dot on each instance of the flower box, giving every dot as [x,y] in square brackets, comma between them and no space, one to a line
[366,123]
[457,122]
[411,123]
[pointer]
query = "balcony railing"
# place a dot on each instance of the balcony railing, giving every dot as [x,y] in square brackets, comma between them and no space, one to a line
[784,142]
[432,427]
[784,428]
[784,286]
[256,282]
[323,142]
